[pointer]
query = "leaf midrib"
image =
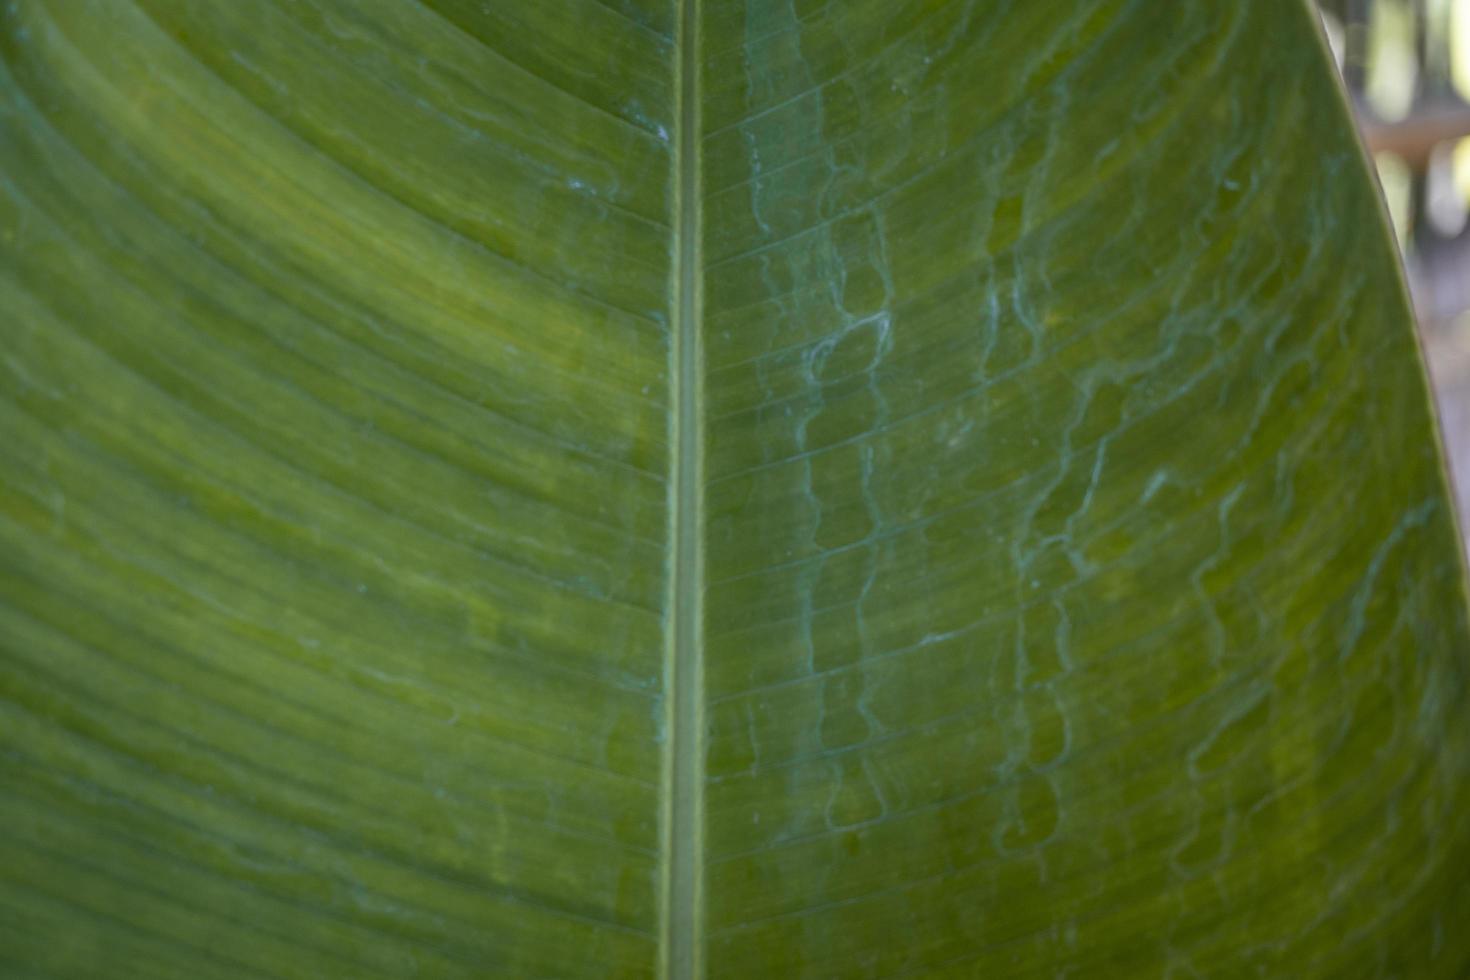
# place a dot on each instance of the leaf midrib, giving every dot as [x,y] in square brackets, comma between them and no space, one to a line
[682,886]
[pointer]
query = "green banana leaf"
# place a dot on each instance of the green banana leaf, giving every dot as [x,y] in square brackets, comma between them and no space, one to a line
[752,488]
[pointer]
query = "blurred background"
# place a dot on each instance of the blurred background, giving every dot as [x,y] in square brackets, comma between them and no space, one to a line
[1407,68]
